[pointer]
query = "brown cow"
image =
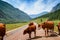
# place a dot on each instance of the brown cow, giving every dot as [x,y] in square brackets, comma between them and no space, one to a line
[48,25]
[31,28]
[2,30]
[58,27]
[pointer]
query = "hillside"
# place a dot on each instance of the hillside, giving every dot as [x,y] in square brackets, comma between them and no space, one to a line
[53,15]
[57,7]
[10,14]
[38,15]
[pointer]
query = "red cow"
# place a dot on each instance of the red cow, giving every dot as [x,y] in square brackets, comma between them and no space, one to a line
[2,30]
[31,28]
[58,27]
[48,25]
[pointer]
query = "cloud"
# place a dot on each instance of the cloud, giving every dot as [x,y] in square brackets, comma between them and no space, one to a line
[34,6]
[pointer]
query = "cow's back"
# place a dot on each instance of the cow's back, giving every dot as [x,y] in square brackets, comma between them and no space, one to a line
[32,28]
[49,24]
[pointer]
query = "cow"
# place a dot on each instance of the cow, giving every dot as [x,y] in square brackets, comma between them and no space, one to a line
[2,30]
[31,28]
[58,27]
[48,25]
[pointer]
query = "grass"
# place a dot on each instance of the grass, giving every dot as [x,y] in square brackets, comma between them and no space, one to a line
[38,20]
[14,25]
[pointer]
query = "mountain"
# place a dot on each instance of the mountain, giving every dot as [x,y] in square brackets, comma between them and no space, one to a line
[57,7]
[53,15]
[9,13]
[38,15]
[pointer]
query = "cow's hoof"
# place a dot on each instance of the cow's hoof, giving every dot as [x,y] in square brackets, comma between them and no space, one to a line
[58,34]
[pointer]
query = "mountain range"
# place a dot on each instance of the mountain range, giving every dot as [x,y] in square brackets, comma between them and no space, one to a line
[57,7]
[8,13]
[38,15]
[54,14]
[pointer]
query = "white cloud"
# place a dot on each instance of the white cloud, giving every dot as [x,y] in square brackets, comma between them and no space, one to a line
[22,7]
[35,7]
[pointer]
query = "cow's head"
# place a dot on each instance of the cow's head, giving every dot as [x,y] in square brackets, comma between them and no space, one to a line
[40,26]
[25,31]
[58,24]
[31,23]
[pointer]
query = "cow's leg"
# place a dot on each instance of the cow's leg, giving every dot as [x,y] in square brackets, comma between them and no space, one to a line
[59,31]
[45,32]
[35,33]
[2,38]
[29,35]
[52,31]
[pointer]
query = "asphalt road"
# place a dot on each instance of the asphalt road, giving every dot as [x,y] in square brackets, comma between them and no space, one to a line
[17,34]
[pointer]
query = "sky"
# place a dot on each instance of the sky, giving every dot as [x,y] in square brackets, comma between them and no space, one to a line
[32,7]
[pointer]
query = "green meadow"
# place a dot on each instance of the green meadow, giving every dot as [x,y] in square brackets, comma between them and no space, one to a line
[14,25]
[37,20]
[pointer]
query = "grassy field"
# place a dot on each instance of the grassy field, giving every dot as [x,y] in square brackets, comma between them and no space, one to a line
[38,20]
[14,25]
